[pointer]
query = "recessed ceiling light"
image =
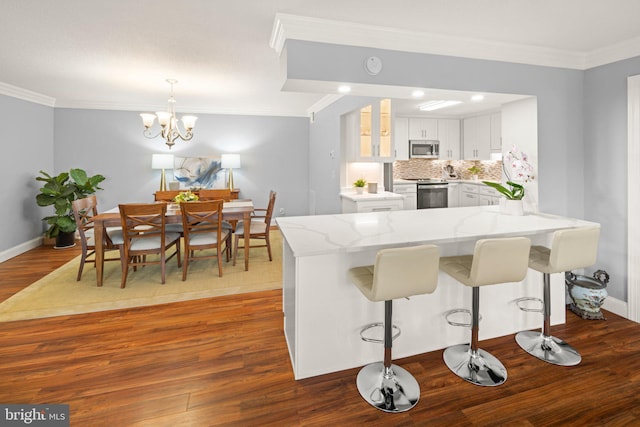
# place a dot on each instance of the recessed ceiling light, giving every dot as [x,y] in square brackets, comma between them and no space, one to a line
[436,105]
[344,89]
[477,97]
[417,93]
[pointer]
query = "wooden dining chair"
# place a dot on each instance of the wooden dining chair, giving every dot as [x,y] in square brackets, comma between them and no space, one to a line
[215,194]
[219,194]
[258,227]
[83,212]
[203,229]
[166,196]
[143,227]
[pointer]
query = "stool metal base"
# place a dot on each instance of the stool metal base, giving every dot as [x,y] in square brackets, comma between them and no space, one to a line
[393,390]
[548,348]
[479,367]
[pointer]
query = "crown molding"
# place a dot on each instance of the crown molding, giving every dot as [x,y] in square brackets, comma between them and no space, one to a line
[26,95]
[182,110]
[616,52]
[353,34]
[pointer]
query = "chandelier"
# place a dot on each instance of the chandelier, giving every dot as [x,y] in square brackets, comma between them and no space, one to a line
[169,129]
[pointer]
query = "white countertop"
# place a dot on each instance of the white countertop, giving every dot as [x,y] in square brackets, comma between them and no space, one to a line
[322,234]
[383,195]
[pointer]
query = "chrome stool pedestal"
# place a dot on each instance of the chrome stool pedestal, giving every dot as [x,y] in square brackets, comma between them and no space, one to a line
[541,344]
[388,387]
[469,362]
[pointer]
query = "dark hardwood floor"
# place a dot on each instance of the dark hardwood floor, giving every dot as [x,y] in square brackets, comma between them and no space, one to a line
[224,361]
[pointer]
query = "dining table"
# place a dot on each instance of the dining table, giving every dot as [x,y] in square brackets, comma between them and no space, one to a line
[231,211]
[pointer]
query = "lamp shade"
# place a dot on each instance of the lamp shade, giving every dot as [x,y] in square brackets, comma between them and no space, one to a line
[162,161]
[230,161]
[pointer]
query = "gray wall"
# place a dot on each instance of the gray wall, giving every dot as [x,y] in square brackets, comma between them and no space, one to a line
[273,150]
[274,153]
[560,103]
[582,128]
[605,151]
[27,148]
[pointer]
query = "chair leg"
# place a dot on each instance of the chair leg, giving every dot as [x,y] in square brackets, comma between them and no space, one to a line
[541,344]
[471,363]
[82,260]
[219,254]
[235,249]
[268,245]
[185,266]
[386,386]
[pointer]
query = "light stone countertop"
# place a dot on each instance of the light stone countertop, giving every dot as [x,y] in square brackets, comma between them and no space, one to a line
[383,195]
[323,234]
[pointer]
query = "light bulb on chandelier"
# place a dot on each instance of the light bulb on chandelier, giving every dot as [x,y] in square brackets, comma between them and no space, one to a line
[169,129]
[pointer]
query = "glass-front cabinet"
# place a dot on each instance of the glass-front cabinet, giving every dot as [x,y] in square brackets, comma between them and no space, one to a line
[368,132]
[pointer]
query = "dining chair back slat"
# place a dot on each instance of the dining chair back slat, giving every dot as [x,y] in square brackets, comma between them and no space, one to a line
[144,233]
[203,229]
[83,212]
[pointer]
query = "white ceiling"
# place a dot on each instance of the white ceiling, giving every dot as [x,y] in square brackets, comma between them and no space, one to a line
[117,54]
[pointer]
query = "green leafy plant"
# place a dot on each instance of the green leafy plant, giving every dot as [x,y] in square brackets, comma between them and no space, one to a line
[514,192]
[360,183]
[474,170]
[59,191]
[186,196]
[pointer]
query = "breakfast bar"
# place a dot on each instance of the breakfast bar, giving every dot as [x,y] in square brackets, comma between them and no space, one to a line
[324,312]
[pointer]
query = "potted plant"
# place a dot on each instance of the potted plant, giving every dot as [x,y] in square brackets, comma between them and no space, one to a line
[359,185]
[59,191]
[519,165]
[474,171]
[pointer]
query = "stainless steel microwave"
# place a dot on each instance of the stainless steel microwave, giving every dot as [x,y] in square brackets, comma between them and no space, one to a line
[424,149]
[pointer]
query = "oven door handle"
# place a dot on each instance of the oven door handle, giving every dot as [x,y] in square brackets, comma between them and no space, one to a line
[432,187]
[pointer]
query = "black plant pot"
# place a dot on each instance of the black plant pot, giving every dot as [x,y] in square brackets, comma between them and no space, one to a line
[65,240]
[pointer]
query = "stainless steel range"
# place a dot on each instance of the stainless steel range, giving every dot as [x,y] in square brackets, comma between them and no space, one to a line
[432,193]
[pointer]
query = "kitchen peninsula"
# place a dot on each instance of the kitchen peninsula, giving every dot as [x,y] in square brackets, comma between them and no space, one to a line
[324,312]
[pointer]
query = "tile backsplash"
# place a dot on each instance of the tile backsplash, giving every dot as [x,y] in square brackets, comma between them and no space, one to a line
[491,170]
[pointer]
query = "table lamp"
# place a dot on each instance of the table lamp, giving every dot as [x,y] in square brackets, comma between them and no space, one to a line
[162,161]
[230,161]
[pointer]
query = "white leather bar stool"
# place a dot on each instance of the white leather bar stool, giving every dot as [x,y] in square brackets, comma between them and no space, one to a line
[570,249]
[397,273]
[493,261]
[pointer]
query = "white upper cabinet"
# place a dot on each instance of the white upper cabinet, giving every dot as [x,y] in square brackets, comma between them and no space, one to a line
[421,129]
[368,133]
[477,138]
[496,132]
[449,136]
[401,138]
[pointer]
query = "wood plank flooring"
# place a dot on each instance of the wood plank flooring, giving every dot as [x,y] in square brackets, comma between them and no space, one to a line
[224,361]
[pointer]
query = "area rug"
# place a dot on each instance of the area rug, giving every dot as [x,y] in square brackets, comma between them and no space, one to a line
[59,293]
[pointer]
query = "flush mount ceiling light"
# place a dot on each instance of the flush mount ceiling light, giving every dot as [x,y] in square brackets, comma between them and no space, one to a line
[478,97]
[436,105]
[344,89]
[417,93]
[169,129]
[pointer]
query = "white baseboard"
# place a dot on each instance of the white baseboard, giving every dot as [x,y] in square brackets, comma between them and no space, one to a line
[20,249]
[616,306]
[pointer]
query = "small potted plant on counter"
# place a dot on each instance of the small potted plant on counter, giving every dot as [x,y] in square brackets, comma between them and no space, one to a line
[359,185]
[474,171]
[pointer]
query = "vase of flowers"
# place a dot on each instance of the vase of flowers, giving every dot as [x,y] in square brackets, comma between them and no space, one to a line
[522,170]
[186,196]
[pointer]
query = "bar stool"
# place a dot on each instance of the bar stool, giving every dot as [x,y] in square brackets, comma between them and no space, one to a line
[397,273]
[570,249]
[493,261]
